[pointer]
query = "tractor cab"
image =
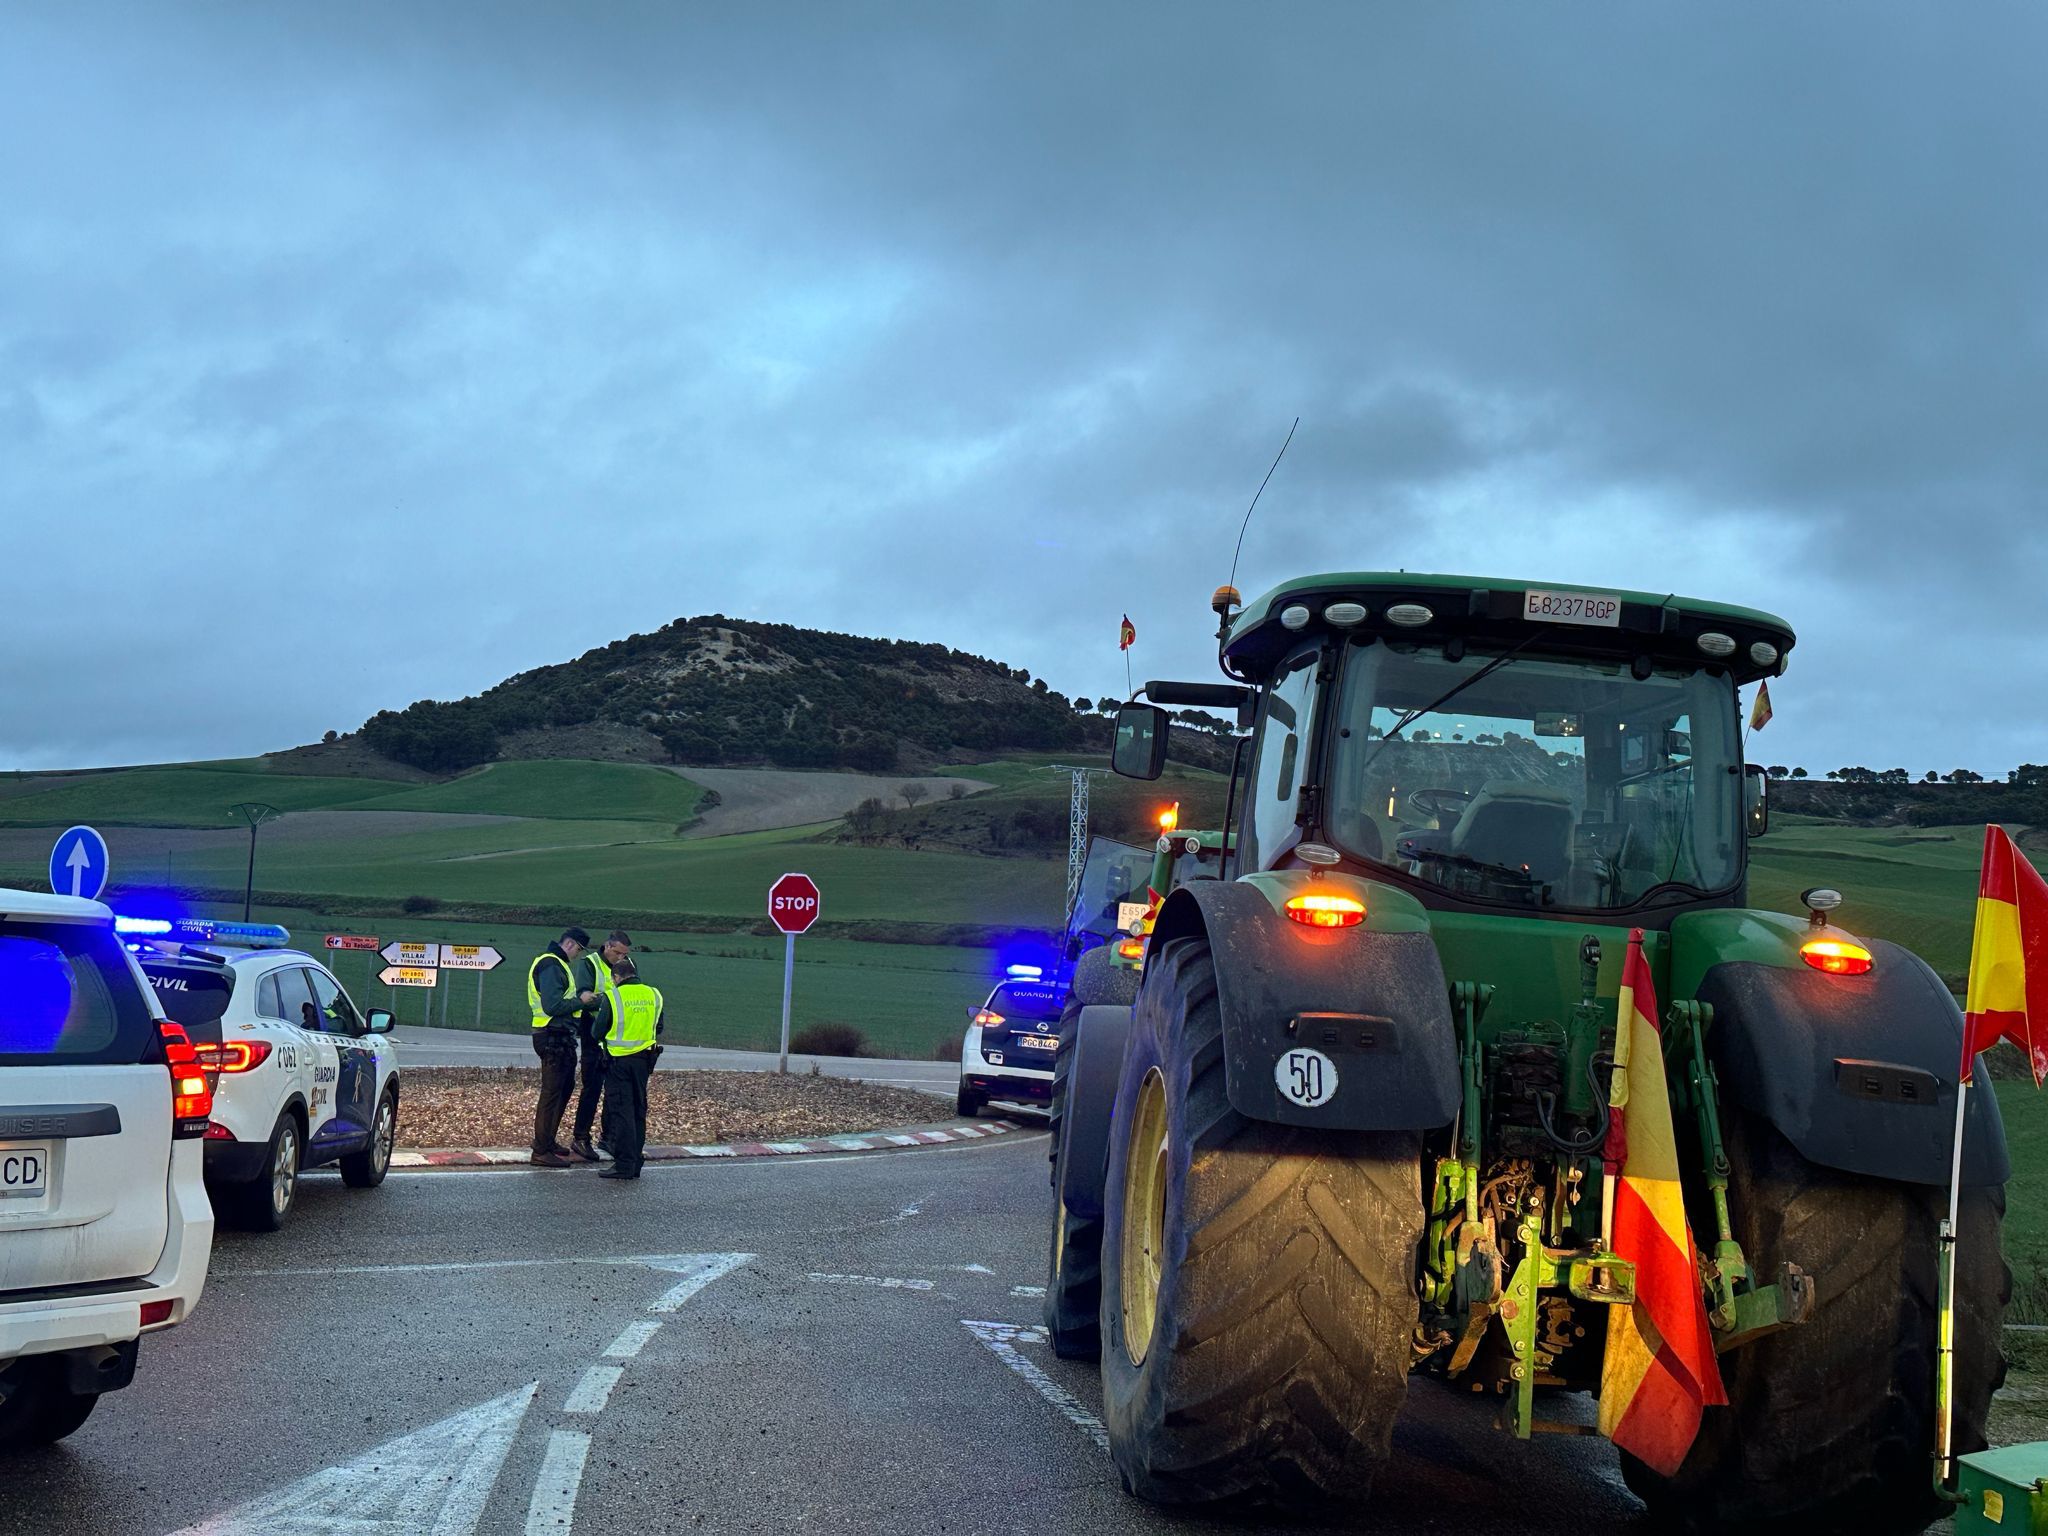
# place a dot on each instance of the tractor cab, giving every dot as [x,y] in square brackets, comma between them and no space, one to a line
[1490,746]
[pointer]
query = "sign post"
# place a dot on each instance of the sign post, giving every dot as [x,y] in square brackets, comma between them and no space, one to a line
[79,864]
[469,957]
[792,907]
[411,963]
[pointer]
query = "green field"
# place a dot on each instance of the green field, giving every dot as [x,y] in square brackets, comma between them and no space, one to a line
[199,794]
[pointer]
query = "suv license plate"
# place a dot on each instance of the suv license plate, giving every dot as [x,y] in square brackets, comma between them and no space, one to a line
[1040,1042]
[24,1172]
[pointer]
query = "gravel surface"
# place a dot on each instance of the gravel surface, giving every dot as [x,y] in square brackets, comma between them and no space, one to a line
[493,1107]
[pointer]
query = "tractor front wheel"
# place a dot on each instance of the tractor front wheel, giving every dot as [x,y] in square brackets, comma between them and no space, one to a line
[1257,1281]
[1829,1424]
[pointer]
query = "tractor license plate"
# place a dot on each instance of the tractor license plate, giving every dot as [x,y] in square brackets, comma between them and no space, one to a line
[24,1174]
[1599,609]
[1039,1042]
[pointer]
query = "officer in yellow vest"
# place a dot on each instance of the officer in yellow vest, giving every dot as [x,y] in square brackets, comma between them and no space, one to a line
[631,1015]
[590,1028]
[556,1000]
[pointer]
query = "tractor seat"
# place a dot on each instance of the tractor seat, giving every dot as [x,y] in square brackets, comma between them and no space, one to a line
[1518,824]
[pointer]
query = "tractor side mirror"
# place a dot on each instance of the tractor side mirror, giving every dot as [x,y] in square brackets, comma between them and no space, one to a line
[1139,748]
[1756,800]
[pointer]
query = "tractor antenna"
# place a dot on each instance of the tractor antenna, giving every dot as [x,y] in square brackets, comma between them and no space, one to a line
[1255,503]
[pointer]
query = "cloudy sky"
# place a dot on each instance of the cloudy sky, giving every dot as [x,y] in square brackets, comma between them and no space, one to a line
[351,355]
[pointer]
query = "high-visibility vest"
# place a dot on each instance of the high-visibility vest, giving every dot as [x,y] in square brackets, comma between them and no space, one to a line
[636,1008]
[540,1017]
[601,982]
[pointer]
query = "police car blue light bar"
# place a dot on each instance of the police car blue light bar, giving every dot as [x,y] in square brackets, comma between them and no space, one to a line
[1026,972]
[206,930]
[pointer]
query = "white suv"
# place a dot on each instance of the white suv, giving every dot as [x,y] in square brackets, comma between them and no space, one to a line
[105,1228]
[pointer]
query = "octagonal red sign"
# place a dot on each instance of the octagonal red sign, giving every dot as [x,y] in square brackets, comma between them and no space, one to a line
[793,903]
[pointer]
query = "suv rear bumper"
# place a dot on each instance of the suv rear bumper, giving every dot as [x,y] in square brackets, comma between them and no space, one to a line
[88,1317]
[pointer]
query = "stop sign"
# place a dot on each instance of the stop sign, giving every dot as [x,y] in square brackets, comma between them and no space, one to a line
[793,903]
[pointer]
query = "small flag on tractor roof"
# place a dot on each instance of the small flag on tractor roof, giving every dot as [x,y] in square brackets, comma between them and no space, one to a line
[1127,635]
[2008,996]
[1760,711]
[1659,1371]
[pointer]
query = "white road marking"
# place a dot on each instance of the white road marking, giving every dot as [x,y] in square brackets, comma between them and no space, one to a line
[594,1390]
[972,1269]
[699,1270]
[2026,1327]
[887,1282]
[676,1263]
[724,1158]
[561,1474]
[1027,1290]
[634,1339]
[1002,1340]
[433,1481]
[2021,1395]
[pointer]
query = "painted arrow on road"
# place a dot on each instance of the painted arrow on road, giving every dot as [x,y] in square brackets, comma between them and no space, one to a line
[428,1482]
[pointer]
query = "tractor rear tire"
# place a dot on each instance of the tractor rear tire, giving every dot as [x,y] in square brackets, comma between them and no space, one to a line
[1081,1119]
[1258,1297]
[1829,1424]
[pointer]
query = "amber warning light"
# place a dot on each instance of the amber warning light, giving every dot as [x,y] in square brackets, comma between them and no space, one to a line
[1838,957]
[1322,910]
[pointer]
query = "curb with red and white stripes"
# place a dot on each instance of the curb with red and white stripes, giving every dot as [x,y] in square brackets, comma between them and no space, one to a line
[867,1141]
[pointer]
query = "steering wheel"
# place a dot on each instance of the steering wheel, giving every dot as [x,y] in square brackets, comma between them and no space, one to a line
[1441,805]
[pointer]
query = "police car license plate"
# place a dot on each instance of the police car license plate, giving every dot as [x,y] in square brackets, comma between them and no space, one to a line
[1039,1042]
[24,1173]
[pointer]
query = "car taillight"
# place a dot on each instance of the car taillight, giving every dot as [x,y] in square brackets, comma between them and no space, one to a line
[154,1312]
[1838,957]
[215,1131]
[233,1055]
[1321,910]
[987,1018]
[191,1098]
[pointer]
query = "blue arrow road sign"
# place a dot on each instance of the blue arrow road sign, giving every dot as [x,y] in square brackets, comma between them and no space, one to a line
[79,863]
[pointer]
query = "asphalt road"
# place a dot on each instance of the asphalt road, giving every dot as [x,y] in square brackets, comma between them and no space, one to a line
[802,1344]
[420,1046]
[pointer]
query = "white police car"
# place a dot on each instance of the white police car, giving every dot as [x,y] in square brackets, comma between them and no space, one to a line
[1011,1041]
[104,1224]
[300,1076]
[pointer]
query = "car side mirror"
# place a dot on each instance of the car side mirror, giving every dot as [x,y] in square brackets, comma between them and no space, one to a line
[1139,748]
[378,1021]
[1756,800]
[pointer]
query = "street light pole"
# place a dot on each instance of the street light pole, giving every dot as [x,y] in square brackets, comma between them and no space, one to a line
[255,813]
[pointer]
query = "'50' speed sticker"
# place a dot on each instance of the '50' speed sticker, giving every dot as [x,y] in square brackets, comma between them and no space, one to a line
[1306,1077]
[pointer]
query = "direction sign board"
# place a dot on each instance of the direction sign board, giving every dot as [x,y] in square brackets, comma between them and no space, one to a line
[470,957]
[405,952]
[79,864]
[793,903]
[408,976]
[352,941]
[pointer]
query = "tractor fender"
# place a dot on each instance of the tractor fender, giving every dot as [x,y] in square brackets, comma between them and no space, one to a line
[1374,1001]
[1100,977]
[1857,1072]
[1098,1060]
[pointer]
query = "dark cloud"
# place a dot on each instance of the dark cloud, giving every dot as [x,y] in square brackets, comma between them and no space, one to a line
[350,355]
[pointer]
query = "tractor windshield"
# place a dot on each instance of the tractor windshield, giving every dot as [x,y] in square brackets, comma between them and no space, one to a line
[1543,783]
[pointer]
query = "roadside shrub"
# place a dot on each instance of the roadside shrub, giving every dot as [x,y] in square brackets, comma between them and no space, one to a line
[830,1038]
[950,1048]
[421,904]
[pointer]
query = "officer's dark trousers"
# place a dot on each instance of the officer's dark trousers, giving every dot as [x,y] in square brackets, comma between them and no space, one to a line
[592,1093]
[557,1052]
[625,1109]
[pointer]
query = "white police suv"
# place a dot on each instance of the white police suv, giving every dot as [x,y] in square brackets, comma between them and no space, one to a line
[1011,1041]
[300,1076]
[105,1228]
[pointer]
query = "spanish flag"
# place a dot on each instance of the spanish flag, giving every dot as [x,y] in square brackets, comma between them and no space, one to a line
[2008,997]
[1659,1371]
[1760,711]
[1127,636]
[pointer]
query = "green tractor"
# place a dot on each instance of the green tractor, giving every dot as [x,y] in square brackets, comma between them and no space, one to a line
[1350,1130]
